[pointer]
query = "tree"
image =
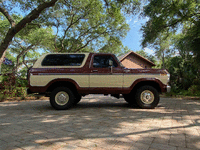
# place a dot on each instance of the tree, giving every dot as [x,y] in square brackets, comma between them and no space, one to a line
[28,42]
[29,39]
[82,24]
[183,72]
[15,27]
[124,50]
[146,55]
[34,11]
[162,48]
[173,17]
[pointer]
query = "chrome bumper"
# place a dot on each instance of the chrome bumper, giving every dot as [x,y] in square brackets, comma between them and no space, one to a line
[168,89]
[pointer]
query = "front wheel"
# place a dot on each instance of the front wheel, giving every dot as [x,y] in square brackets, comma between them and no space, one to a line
[147,97]
[61,98]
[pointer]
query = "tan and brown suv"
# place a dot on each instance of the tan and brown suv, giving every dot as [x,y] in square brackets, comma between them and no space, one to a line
[65,78]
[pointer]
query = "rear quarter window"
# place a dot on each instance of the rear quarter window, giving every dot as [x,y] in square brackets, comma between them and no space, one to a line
[63,60]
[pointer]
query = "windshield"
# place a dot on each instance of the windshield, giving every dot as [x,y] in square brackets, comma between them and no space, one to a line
[119,62]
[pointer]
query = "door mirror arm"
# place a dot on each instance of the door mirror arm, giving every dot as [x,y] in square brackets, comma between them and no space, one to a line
[111,66]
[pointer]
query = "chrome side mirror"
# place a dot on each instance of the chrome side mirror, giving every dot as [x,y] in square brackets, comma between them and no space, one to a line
[110,63]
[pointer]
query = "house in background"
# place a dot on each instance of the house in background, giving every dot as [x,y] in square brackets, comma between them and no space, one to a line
[134,60]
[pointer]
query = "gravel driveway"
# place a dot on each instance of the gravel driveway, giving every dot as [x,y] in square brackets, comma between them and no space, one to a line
[100,122]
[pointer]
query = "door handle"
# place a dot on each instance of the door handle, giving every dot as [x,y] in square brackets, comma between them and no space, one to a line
[94,70]
[127,71]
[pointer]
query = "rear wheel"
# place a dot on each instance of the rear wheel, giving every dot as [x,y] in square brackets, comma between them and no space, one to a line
[62,98]
[147,97]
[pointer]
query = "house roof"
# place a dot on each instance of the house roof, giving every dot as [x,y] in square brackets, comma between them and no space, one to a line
[122,57]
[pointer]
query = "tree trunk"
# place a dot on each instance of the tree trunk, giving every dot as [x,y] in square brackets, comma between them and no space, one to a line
[1,59]
[18,27]
[163,61]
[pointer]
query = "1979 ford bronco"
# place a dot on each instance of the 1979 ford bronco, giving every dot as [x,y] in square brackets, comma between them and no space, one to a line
[65,78]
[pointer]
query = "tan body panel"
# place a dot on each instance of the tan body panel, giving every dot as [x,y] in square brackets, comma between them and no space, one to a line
[43,80]
[109,80]
[130,78]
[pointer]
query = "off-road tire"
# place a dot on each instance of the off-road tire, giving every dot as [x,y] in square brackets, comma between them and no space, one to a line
[147,97]
[65,103]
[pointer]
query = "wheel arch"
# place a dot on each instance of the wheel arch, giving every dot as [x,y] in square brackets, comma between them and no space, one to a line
[69,83]
[157,84]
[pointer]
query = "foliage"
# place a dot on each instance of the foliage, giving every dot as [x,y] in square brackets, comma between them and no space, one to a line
[173,17]
[86,23]
[15,92]
[146,55]
[185,75]
[194,90]
[124,50]
[67,15]
[11,89]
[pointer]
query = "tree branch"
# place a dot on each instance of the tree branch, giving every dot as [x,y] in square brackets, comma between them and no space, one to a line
[27,61]
[23,60]
[71,24]
[57,28]
[107,4]
[6,14]
[28,19]
[24,50]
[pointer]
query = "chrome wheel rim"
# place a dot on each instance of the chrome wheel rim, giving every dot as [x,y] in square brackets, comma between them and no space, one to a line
[61,98]
[147,97]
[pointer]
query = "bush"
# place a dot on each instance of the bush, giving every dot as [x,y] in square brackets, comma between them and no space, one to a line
[12,92]
[194,90]
[184,74]
[21,82]
[12,87]
[196,81]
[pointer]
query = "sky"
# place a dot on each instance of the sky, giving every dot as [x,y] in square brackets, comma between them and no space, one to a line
[134,36]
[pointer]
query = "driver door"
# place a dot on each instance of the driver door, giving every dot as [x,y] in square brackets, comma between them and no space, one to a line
[103,75]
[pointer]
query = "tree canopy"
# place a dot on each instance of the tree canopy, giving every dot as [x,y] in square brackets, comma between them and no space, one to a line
[67,15]
[173,17]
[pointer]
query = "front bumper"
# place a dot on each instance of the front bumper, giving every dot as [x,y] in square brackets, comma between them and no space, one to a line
[168,89]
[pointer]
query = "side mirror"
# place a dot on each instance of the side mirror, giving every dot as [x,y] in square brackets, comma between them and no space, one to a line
[110,63]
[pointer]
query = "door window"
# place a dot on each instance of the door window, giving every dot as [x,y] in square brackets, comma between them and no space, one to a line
[102,61]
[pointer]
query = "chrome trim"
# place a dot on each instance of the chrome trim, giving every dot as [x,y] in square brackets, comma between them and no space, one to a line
[79,74]
[168,89]
[62,98]
[125,74]
[168,79]
[147,97]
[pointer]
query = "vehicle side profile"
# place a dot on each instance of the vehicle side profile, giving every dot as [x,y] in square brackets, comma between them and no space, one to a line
[66,77]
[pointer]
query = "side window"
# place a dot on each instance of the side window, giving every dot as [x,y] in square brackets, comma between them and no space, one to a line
[102,61]
[63,60]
